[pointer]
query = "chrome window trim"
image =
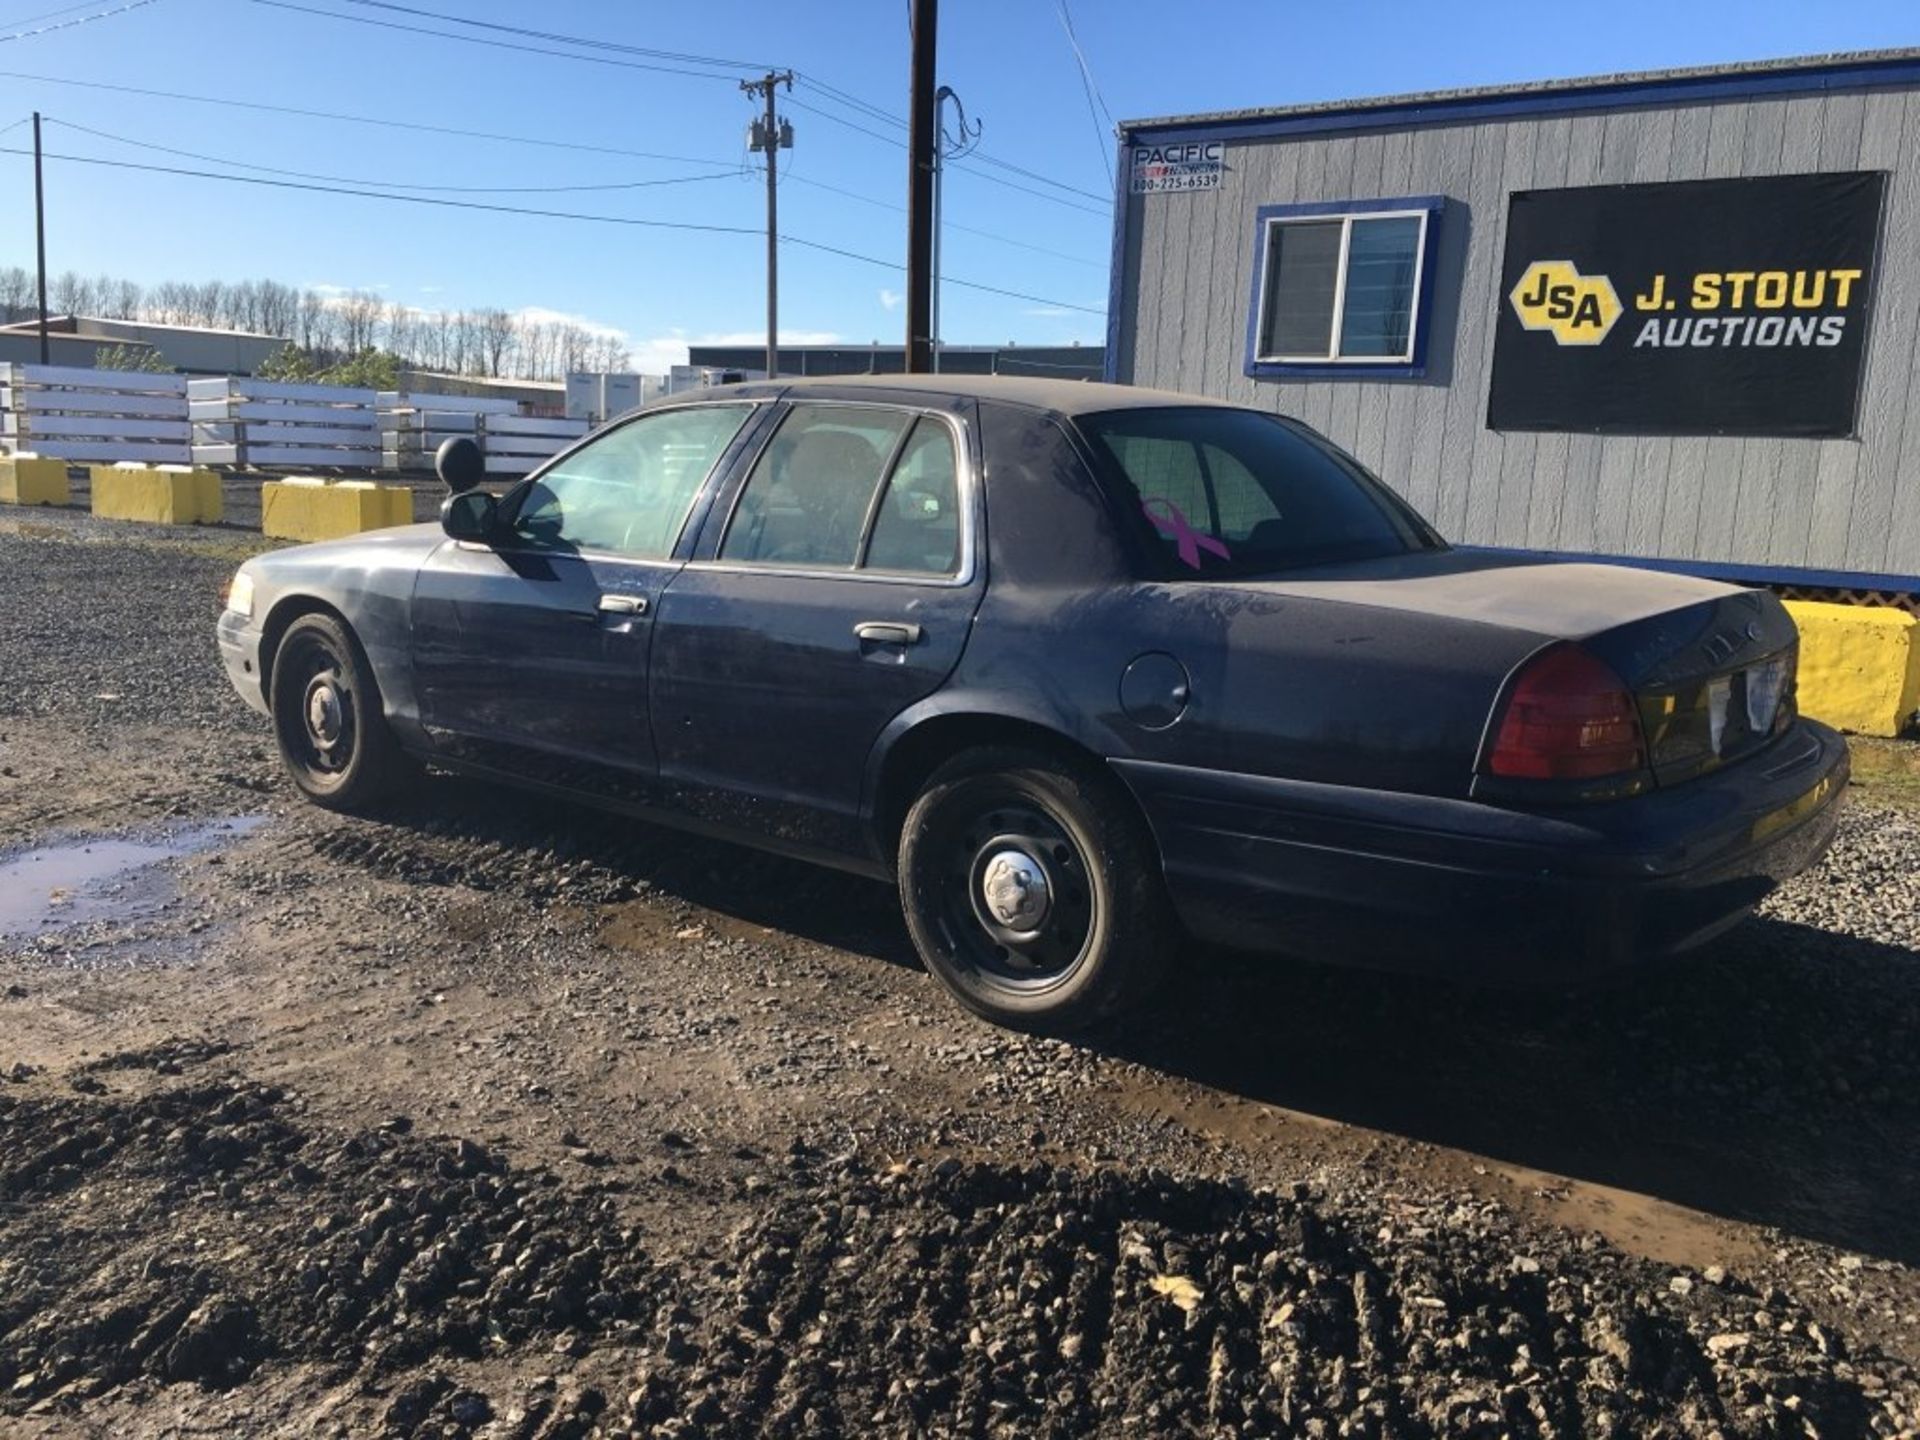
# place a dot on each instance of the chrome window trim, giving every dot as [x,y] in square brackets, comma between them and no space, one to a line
[964,478]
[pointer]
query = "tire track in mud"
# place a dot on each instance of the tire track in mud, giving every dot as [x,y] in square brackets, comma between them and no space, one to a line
[205,1233]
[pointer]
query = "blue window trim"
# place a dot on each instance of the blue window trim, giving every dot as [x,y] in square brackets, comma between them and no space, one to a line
[1433,205]
[1615,95]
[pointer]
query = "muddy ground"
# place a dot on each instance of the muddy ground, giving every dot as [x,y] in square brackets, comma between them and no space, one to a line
[503,1118]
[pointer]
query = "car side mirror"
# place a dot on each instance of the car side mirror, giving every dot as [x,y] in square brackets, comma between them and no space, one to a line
[459,464]
[470,515]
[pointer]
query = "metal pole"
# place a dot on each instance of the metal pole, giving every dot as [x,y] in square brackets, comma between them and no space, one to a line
[770,137]
[923,148]
[933,280]
[773,239]
[40,238]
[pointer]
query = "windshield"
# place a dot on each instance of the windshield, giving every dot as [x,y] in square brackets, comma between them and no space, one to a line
[1215,493]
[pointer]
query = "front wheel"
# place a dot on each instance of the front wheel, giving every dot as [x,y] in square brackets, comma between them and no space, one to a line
[1033,891]
[328,719]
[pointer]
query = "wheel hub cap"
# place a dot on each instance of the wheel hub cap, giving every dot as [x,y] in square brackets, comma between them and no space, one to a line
[324,713]
[1014,888]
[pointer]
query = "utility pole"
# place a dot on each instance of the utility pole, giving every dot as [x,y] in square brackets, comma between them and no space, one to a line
[771,135]
[40,238]
[923,158]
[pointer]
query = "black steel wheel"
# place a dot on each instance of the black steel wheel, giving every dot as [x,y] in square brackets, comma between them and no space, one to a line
[328,719]
[1033,890]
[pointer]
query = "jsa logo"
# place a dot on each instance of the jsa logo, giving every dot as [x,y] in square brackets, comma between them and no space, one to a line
[1578,309]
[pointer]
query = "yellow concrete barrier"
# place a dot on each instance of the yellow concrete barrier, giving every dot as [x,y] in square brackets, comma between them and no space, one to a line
[308,508]
[158,494]
[1859,666]
[33,480]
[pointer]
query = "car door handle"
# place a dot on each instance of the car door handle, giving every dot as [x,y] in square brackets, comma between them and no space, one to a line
[887,632]
[623,605]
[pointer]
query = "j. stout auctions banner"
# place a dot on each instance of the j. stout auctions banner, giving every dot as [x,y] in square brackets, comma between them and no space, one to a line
[1706,307]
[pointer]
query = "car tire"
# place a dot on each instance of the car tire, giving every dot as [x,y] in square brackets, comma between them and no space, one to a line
[329,721]
[1033,891]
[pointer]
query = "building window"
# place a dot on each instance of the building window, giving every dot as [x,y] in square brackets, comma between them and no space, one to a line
[1342,288]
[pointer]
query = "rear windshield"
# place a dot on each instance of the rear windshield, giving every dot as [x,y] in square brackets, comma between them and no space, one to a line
[1215,492]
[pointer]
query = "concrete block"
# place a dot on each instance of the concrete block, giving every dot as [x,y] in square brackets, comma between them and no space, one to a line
[305,508]
[1859,666]
[157,494]
[33,480]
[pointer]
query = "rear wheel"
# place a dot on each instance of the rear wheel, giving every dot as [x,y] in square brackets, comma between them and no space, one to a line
[328,719]
[1032,890]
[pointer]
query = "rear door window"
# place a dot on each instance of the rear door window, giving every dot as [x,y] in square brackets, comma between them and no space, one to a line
[852,487]
[806,503]
[1220,492]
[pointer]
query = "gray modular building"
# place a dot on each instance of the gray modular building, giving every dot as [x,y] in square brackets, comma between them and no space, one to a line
[1671,316]
[1065,362]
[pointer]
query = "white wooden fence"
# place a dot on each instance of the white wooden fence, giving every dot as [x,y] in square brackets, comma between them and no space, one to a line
[237,421]
[73,413]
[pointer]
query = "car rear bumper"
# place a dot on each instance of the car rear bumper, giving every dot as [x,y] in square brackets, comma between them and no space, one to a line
[1414,882]
[240,653]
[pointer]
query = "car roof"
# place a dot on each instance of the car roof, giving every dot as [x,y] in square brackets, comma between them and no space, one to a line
[1059,397]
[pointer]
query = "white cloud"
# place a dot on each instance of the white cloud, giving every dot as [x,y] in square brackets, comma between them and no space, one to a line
[541,315]
[890,299]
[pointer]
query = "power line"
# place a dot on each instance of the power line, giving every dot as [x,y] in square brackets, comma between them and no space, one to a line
[337,116]
[641,65]
[996,179]
[1091,90]
[496,137]
[495,44]
[820,245]
[394,184]
[78,20]
[976,156]
[50,14]
[949,224]
[584,41]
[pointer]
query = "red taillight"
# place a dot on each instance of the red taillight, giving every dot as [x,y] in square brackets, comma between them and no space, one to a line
[1569,718]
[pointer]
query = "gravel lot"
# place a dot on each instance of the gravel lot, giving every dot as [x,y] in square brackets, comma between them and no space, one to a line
[501,1118]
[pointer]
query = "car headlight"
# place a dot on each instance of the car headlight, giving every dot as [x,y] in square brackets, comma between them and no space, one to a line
[240,594]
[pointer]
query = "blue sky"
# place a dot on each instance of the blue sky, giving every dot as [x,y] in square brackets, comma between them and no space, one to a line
[1009,60]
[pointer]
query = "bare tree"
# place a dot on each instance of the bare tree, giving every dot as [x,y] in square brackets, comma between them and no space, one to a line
[360,314]
[69,293]
[496,339]
[17,292]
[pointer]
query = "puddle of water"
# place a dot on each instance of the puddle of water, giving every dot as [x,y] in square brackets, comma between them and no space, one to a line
[56,886]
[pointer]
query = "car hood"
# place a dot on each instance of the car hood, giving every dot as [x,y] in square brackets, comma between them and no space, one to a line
[1561,600]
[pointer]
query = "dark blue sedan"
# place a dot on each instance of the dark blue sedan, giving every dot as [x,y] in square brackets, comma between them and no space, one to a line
[1078,668]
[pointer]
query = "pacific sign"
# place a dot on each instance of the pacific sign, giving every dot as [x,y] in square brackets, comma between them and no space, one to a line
[1177,169]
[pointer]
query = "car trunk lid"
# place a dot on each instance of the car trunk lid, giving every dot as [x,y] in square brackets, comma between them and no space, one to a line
[1711,666]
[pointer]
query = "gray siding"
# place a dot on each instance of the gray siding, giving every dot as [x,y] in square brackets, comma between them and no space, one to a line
[1827,504]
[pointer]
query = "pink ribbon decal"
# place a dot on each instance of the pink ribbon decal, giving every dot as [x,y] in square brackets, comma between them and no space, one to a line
[1190,542]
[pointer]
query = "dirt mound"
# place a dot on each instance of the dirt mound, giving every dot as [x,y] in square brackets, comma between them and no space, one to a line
[200,1233]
